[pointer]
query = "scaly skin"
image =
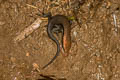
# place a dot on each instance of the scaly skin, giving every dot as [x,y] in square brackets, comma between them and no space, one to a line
[66,42]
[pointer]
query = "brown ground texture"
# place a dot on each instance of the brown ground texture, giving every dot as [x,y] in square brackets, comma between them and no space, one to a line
[95,50]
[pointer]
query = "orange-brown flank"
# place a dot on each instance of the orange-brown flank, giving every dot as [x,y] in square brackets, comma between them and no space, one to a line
[67,43]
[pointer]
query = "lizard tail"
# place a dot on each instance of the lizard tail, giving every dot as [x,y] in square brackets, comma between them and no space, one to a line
[58,48]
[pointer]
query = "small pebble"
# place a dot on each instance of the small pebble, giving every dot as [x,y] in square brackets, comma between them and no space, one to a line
[2,23]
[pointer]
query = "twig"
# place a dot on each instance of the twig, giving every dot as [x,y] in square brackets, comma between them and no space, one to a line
[32,6]
[27,31]
[115,23]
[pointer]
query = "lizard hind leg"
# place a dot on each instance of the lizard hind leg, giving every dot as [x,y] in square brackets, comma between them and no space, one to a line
[57,29]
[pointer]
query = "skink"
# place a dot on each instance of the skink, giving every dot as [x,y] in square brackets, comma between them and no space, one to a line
[64,24]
